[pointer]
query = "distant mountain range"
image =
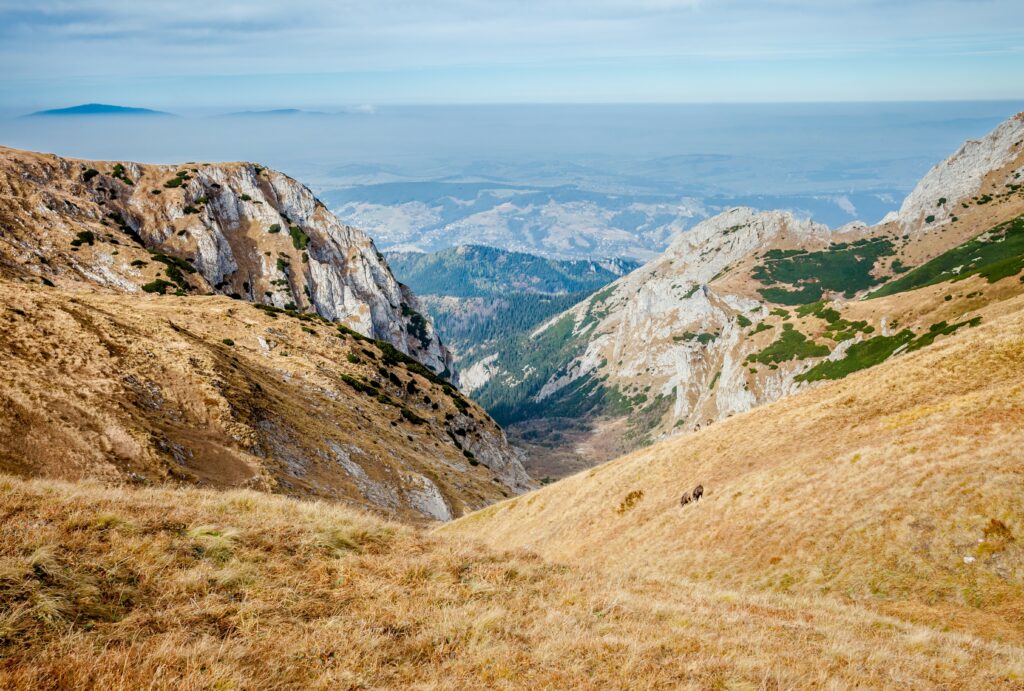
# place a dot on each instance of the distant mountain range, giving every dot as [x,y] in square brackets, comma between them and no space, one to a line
[564,221]
[486,302]
[97,109]
[107,109]
[274,112]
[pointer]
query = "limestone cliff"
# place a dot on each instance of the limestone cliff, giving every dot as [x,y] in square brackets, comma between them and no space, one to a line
[248,232]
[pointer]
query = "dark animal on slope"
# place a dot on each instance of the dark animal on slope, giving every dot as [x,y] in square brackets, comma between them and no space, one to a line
[688,497]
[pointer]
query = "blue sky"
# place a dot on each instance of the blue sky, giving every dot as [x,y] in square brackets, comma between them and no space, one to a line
[322,54]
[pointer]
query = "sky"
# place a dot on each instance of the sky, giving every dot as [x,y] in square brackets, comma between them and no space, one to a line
[195,55]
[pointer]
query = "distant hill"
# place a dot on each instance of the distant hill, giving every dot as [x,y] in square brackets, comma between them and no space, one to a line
[273,112]
[480,271]
[487,301]
[97,109]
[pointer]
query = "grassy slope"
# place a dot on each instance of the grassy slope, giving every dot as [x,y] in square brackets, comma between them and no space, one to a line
[121,588]
[871,490]
[145,389]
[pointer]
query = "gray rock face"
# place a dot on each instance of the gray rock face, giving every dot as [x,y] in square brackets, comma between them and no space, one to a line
[961,175]
[637,338]
[259,235]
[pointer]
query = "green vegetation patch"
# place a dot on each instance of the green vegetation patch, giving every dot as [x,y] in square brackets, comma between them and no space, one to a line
[878,349]
[802,276]
[417,325]
[299,239]
[838,329]
[178,180]
[743,321]
[941,329]
[995,254]
[791,345]
[157,286]
[702,338]
[121,174]
[176,269]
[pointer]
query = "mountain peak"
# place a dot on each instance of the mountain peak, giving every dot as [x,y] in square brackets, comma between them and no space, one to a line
[962,174]
[97,109]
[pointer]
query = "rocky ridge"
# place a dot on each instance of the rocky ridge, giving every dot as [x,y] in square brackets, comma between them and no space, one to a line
[743,309]
[235,229]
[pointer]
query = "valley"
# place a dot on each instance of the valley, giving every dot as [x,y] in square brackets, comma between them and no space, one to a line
[240,446]
[749,307]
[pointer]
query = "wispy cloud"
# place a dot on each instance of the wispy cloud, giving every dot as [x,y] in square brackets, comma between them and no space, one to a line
[60,39]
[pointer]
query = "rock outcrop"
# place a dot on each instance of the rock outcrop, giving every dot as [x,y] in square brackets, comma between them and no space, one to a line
[249,232]
[962,175]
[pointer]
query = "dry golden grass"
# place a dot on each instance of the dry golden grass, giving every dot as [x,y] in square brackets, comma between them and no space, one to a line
[877,490]
[143,389]
[123,588]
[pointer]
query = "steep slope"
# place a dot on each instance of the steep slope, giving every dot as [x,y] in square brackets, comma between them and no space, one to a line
[900,489]
[215,392]
[485,301]
[121,588]
[125,358]
[741,309]
[236,229]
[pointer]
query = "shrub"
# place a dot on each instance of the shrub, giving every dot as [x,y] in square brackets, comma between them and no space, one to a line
[228,342]
[299,239]
[929,219]
[791,345]
[743,321]
[89,174]
[189,209]
[412,417]
[157,286]
[276,228]
[120,174]
[353,358]
[84,237]
[246,198]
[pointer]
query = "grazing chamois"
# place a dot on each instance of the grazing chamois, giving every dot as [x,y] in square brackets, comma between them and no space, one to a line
[695,495]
